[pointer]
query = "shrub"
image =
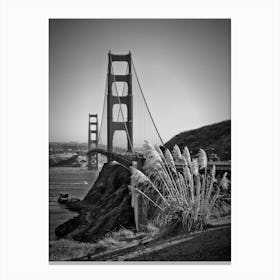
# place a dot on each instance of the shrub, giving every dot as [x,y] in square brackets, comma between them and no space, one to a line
[63,249]
[186,197]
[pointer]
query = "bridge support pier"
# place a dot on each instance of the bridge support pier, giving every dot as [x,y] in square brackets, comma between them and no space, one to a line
[127,125]
[92,141]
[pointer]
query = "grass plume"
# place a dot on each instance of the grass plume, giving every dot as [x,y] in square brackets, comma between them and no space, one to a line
[182,195]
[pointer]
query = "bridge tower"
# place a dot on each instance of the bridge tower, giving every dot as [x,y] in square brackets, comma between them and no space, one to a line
[92,141]
[113,126]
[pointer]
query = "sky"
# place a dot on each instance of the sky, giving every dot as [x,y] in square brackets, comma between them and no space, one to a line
[183,66]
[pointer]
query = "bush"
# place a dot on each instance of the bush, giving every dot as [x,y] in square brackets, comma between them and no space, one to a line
[181,189]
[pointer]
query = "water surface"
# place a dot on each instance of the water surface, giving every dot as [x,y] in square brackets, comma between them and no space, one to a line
[76,182]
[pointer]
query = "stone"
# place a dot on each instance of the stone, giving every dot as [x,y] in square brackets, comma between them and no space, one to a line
[106,207]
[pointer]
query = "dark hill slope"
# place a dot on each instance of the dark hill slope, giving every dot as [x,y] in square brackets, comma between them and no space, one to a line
[215,138]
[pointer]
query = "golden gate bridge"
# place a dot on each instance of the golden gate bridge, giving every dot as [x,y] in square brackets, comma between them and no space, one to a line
[126,118]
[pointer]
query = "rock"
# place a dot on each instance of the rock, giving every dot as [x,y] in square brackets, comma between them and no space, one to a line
[106,207]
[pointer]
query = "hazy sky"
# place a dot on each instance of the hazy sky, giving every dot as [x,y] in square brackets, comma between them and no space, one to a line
[183,67]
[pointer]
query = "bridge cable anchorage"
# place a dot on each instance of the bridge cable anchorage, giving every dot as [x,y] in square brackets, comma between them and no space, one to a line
[146,102]
[115,81]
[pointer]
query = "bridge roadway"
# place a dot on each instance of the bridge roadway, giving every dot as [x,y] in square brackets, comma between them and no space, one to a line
[127,159]
[124,158]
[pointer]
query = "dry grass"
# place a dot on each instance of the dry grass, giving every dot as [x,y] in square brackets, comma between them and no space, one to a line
[189,197]
[63,249]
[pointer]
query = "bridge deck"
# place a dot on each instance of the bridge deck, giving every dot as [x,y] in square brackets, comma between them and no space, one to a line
[127,159]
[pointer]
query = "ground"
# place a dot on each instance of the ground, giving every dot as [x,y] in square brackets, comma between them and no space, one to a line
[210,245]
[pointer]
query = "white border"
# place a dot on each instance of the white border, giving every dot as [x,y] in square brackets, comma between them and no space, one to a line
[24,137]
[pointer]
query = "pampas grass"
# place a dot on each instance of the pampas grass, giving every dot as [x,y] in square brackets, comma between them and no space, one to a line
[184,196]
[202,159]
[187,156]
[177,155]
[194,167]
[224,183]
[169,159]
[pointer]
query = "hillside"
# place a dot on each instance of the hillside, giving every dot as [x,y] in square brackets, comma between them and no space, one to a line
[215,138]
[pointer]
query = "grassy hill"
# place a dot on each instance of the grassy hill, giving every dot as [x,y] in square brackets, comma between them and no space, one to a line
[215,138]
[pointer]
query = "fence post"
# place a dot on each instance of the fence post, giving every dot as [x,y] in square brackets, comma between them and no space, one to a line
[139,211]
[140,162]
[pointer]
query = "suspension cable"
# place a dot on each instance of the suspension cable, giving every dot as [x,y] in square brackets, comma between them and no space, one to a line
[103,111]
[146,102]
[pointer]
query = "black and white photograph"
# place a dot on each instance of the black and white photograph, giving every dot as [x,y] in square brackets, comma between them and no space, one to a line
[139,140]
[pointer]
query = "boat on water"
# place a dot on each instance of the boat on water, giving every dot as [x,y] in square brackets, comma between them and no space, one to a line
[63,198]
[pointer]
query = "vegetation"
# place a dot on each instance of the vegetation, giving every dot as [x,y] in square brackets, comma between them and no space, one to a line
[213,138]
[186,198]
[65,249]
